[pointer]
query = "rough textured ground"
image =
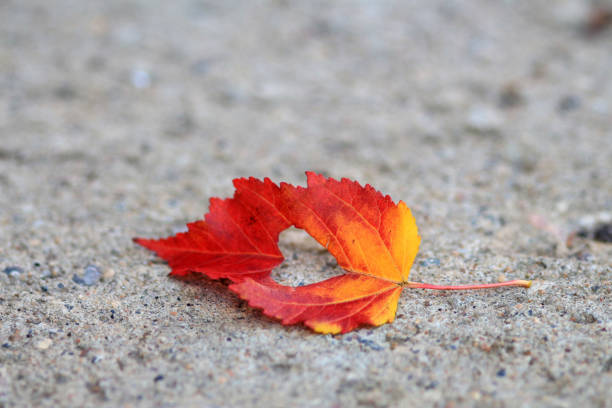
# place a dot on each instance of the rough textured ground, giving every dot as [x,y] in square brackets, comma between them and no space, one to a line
[117,119]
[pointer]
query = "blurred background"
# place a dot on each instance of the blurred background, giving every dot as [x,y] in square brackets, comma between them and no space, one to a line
[435,97]
[491,119]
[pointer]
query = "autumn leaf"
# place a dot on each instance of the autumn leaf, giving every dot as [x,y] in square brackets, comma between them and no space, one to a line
[371,237]
[336,305]
[365,231]
[238,238]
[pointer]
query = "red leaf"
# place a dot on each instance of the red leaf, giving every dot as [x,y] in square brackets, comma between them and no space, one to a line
[237,239]
[336,305]
[371,237]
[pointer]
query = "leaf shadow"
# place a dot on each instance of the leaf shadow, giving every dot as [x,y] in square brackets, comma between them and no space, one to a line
[218,288]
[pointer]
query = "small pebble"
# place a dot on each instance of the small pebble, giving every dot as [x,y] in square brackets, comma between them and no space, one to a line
[140,78]
[603,233]
[13,271]
[568,103]
[431,385]
[108,274]
[510,96]
[607,367]
[484,120]
[90,277]
[430,262]
[65,92]
[599,18]
[369,343]
[201,67]
[44,344]
[34,242]
[584,256]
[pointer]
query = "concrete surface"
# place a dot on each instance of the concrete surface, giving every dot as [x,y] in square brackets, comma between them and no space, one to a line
[121,118]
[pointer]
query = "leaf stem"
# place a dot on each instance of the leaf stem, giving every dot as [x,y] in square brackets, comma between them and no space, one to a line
[419,285]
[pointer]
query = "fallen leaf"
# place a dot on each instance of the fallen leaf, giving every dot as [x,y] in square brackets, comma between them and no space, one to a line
[336,305]
[371,237]
[365,231]
[238,238]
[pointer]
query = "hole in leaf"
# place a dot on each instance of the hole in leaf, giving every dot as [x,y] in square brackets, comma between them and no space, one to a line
[306,261]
